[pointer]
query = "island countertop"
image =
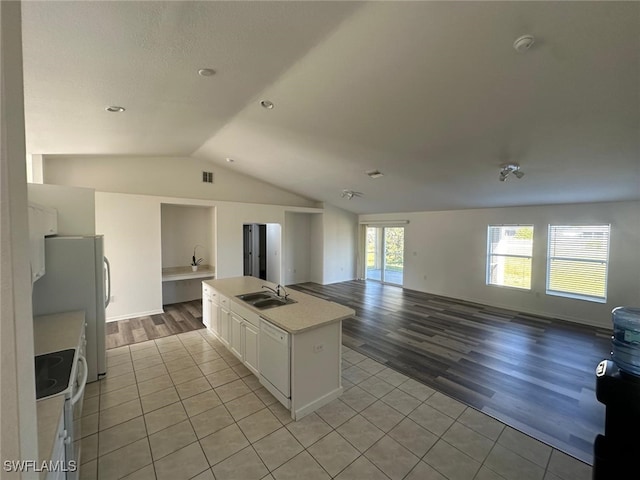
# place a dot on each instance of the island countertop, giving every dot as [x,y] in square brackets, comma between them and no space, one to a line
[309,312]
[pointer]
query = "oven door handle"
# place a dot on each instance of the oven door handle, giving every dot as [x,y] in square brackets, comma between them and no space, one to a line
[83,382]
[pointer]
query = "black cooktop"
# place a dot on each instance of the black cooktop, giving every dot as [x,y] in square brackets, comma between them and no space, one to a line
[53,371]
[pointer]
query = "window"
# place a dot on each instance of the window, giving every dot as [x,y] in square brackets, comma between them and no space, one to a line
[509,251]
[577,261]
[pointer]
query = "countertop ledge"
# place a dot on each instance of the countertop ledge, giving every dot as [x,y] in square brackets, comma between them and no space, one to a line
[308,313]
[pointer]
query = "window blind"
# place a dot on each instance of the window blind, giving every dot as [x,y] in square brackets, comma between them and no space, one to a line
[577,261]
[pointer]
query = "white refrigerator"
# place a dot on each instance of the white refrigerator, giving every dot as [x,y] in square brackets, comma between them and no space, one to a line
[77,277]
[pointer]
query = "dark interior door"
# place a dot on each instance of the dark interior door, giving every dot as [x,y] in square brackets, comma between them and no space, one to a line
[247,247]
[262,243]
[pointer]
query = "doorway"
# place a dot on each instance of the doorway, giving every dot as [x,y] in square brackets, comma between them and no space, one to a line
[255,250]
[385,254]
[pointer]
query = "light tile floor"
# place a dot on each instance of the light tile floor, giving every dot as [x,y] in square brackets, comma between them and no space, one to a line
[184,407]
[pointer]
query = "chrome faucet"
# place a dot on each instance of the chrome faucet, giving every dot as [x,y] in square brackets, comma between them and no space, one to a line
[277,290]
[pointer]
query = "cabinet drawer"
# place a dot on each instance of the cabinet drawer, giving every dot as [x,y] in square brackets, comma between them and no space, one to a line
[224,301]
[246,314]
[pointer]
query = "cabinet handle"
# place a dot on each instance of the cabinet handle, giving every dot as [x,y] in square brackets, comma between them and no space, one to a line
[63,434]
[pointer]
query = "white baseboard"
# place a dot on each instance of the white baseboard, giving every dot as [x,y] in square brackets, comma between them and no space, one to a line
[316,404]
[127,316]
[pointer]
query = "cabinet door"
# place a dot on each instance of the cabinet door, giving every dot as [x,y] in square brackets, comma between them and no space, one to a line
[215,319]
[36,243]
[251,347]
[58,454]
[49,221]
[236,340]
[224,325]
[207,307]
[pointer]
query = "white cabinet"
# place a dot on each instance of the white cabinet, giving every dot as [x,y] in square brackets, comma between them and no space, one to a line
[207,306]
[215,314]
[36,243]
[245,328]
[236,340]
[251,342]
[58,456]
[224,319]
[43,221]
[244,341]
[237,327]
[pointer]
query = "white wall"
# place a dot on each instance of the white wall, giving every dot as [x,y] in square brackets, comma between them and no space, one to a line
[445,254]
[274,252]
[183,227]
[131,225]
[76,206]
[298,248]
[131,228]
[164,176]
[340,240]
[316,247]
[18,422]
[230,217]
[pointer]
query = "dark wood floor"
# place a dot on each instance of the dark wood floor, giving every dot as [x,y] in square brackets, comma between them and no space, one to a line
[177,318]
[533,373]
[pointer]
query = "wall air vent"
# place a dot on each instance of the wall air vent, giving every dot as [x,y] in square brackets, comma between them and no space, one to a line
[207,177]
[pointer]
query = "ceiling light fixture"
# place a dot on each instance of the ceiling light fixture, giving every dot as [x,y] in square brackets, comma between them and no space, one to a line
[267,104]
[375,173]
[206,72]
[523,43]
[115,109]
[229,160]
[349,194]
[509,168]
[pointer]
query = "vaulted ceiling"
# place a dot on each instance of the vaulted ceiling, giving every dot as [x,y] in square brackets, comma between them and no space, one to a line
[432,94]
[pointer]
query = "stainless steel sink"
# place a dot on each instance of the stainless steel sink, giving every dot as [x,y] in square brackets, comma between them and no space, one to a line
[265,299]
[273,302]
[255,296]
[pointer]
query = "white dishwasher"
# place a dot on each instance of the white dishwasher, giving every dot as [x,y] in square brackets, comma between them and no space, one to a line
[275,372]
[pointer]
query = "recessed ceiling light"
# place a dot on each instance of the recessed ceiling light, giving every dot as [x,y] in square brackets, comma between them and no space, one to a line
[114,109]
[267,104]
[229,160]
[375,173]
[206,72]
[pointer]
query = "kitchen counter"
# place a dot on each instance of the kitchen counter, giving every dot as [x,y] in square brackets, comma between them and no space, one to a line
[310,312]
[52,333]
[60,331]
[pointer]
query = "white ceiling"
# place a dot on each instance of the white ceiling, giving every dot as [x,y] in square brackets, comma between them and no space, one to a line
[430,93]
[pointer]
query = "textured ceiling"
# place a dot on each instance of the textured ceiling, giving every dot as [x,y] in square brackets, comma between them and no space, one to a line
[430,93]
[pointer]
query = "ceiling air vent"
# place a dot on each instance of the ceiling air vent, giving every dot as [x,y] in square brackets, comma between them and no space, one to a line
[207,177]
[375,173]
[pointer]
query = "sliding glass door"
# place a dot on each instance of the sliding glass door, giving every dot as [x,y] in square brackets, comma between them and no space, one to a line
[385,254]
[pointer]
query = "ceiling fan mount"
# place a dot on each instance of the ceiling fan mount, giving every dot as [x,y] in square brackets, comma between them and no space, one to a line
[509,168]
[349,194]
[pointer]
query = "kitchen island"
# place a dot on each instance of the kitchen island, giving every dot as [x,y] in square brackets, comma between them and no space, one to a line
[294,349]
